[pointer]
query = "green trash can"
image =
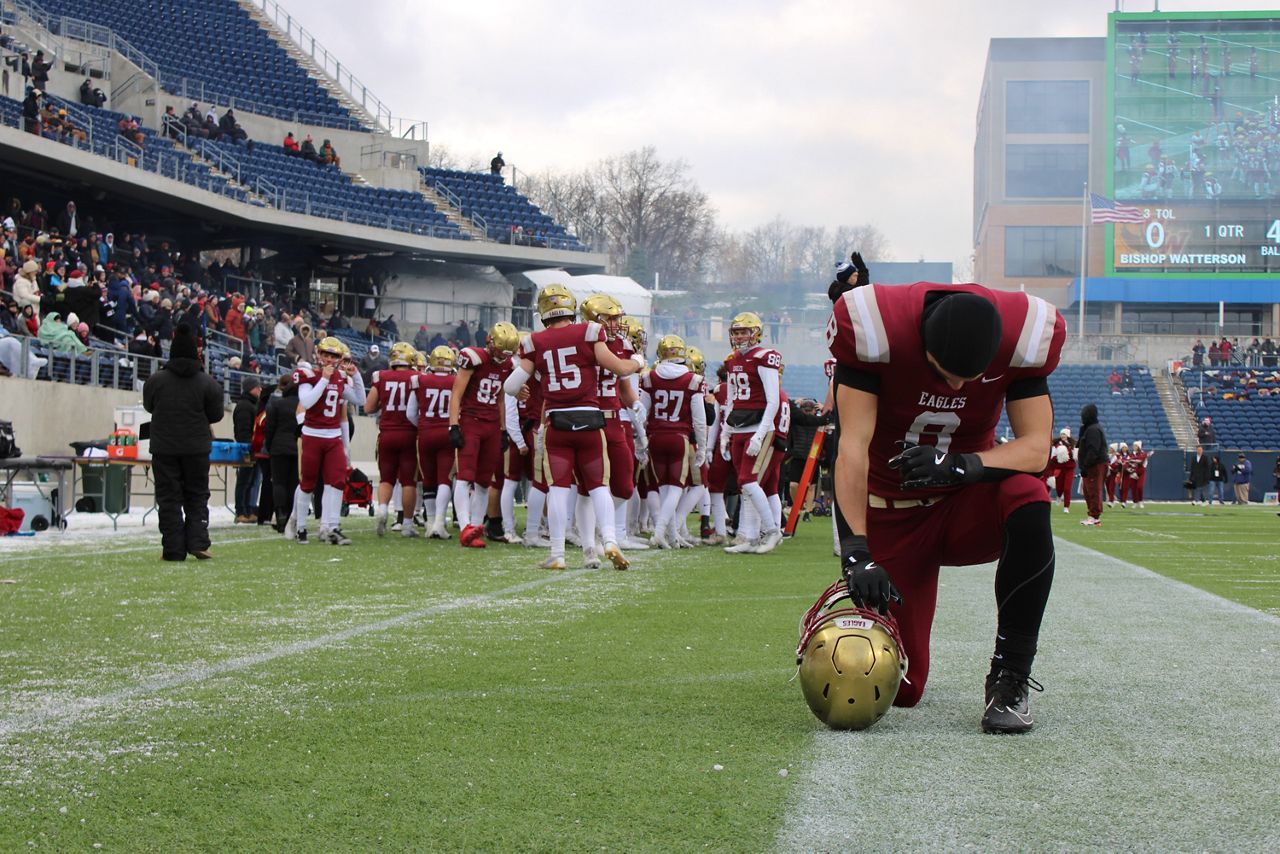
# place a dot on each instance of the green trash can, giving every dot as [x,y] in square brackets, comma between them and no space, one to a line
[92,493]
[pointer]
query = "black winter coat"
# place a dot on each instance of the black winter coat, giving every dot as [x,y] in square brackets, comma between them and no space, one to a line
[280,430]
[1200,470]
[1093,442]
[242,417]
[183,401]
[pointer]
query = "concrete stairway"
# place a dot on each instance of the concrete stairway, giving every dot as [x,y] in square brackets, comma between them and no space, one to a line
[354,107]
[451,213]
[1173,398]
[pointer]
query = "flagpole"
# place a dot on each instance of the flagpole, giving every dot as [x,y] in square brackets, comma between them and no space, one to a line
[1084,257]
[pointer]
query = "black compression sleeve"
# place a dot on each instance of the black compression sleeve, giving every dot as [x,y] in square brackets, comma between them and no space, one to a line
[854,378]
[1027,387]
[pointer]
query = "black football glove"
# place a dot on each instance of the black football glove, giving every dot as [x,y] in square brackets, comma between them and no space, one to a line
[855,270]
[505,441]
[455,436]
[925,465]
[868,582]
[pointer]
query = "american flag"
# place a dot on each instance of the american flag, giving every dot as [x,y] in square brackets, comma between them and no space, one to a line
[1107,210]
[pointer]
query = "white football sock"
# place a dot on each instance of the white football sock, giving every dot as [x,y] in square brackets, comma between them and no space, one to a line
[537,503]
[508,504]
[601,502]
[558,499]
[719,514]
[301,506]
[331,508]
[462,502]
[760,503]
[585,519]
[443,493]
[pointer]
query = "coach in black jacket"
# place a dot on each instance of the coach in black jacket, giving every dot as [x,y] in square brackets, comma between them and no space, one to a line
[183,401]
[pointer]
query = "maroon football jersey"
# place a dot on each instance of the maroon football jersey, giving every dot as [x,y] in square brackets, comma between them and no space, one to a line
[433,391]
[671,402]
[876,329]
[782,421]
[484,391]
[608,381]
[328,412]
[564,362]
[744,376]
[531,407]
[394,388]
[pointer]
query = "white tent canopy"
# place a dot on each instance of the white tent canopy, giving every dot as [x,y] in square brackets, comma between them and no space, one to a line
[635,300]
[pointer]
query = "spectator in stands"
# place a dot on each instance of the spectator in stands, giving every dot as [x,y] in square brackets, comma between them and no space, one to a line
[234,322]
[31,112]
[1198,477]
[1268,350]
[389,327]
[308,149]
[1092,458]
[121,310]
[1241,476]
[1197,354]
[242,417]
[25,290]
[55,333]
[329,155]
[301,347]
[145,348]
[338,320]
[92,96]
[497,164]
[11,362]
[11,319]
[183,401]
[282,333]
[422,340]
[1205,434]
[1217,480]
[129,128]
[171,124]
[164,321]
[230,128]
[1115,382]
[463,333]
[291,145]
[31,317]
[40,68]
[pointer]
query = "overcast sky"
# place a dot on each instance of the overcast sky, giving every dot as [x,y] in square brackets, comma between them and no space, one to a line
[824,113]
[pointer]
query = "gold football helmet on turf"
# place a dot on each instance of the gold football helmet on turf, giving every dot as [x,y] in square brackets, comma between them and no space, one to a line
[671,349]
[851,661]
[604,310]
[503,340]
[695,360]
[403,355]
[746,330]
[634,330]
[333,346]
[556,301]
[442,359]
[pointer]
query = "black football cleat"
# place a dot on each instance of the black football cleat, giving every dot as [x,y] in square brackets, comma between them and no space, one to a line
[493,529]
[1008,702]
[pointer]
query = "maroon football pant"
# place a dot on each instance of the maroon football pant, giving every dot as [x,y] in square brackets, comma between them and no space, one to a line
[322,461]
[622,457]
[435,457]
[965,528]
[398,457]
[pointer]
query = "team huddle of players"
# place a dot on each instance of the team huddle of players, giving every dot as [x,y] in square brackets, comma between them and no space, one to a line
[1126,477]
[608,445]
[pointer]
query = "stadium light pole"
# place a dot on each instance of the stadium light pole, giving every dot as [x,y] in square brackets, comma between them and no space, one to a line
[1084,257]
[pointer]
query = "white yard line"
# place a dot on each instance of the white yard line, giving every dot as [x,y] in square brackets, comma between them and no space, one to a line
[68,712]
[1156,730]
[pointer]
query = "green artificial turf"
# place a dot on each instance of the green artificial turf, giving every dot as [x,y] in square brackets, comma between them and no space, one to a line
[1228,550]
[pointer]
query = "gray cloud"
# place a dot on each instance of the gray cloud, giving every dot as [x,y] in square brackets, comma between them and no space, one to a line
[826,113]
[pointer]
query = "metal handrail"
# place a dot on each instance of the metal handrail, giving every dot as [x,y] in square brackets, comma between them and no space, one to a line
[225,163]
[267,190]
[124,149]
[331,66]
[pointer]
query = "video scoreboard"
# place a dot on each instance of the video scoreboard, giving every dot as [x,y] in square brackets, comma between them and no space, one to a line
[1194,108]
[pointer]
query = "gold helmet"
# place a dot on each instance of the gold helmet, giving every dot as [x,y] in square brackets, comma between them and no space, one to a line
[420,360]
[333,346]
[442,358]
[851,661]
[503,340]
[602,309]
[403,354]
[695,360]
[671,348]
[634,330]
[745,330]
[556,301]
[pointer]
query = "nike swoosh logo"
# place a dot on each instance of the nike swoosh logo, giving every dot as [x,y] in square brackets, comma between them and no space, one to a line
[938,458]
[576,427]
[991,379]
